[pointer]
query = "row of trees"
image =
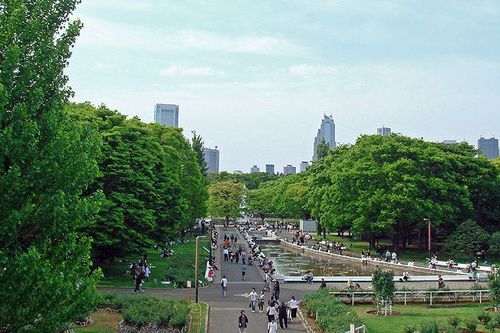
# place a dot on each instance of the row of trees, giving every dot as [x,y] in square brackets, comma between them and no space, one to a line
[151,179]
[384,187]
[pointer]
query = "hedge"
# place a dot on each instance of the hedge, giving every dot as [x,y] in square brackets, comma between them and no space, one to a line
[332,316]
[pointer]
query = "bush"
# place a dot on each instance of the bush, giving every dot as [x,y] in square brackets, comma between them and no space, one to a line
[471,326]
[332,315]
[454,321]
[494,285]
[484,318]
[429,327]
[466,240]
[494,245]
[409,329]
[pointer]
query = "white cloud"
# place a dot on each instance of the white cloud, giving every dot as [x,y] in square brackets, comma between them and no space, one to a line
[101,33]
[311,70]
[172,71]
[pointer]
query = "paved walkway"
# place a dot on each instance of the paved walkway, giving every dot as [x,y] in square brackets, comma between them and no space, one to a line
[224,311]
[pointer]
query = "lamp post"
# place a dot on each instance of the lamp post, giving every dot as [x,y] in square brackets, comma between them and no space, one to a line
[196,268]
[429,240]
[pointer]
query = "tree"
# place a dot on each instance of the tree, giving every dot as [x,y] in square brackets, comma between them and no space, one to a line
[384,288]
[259,201]
[47,164]
[198,145]
[494,245]
[322,149]
[466,240]
[494,285]
[225,199]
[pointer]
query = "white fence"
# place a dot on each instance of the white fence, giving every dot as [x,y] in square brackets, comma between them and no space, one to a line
[417,296]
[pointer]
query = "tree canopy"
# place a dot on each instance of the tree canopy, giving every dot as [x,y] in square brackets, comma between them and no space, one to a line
[47,166]
[225,199]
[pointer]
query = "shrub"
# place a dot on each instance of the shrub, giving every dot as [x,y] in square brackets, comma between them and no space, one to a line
[383,285]
[494,285]
[332,315]
[429,327]
[466,240]
[484,318]
[494,245]
[409,329]
[454,321]
[471,326]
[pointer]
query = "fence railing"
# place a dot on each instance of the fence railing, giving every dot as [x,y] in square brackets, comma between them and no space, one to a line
[417,296]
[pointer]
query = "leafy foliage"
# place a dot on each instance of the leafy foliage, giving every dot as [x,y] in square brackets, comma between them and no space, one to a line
[383,285]
[466,240]
[494,285]
[494,245]
[47,164]
[225,199]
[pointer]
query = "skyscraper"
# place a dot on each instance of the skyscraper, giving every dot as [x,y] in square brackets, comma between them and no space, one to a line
[254,169]
[212,159]
[289,170]
[303,166]
[326,133]
[270,169]
[489,147]
[167,114]
[384,131]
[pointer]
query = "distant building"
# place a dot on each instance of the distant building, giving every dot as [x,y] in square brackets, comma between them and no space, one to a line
[167,114]
[270,169]
[238,172]
[450,142]
[289,170]
[489,147]
[384,131]
[254,169]
[326,133]
[303,166]
[212,159]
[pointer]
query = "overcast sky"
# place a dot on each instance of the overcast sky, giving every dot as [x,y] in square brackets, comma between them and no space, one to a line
[255,77]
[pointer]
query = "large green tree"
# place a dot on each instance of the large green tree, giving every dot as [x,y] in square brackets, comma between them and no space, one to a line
[225,199]
[47,164]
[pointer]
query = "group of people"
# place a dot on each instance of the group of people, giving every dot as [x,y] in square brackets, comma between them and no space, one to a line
[300,237]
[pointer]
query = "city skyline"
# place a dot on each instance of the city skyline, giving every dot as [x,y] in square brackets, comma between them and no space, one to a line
[275,83]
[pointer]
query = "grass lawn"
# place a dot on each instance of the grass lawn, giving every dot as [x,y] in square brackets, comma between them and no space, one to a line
[104,322]
[198,316]
[413,315]
[179,267]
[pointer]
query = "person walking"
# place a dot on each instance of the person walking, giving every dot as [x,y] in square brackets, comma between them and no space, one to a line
[261,301]
[276,290]
[243,257]
[266,282]
[252,297]
[272,326]
[226,254]
[283,320]
[271,312]
[242,322]
[223,284]
[243,271]
[138,282]
[293,304]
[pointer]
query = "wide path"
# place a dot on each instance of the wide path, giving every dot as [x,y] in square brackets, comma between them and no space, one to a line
[224,311]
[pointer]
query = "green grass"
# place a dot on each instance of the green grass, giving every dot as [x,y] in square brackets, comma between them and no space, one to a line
[413,315]
[198,316]
[179,267]
[104,322]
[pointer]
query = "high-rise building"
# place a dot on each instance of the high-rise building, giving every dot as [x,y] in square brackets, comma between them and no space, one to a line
[326,134]
[212,159]
[167,114]
[489,147]
[384,131]
[303,166]
[270,169]
[254,169]
[289,170]
[450,142]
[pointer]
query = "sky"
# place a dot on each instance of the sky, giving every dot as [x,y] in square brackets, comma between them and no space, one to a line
[255,77]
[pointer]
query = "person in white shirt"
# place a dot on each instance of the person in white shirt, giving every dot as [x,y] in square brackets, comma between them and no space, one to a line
[253,299]
[293,304]
[272,326]
[224,283]
[271,312]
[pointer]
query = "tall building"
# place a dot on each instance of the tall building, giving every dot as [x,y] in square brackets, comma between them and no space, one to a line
[289,170]
[303,166]
[270,169]
[489,147]
[384,131]
[254,169]
[450,142]
[212,159]
[167,114]
[326,133]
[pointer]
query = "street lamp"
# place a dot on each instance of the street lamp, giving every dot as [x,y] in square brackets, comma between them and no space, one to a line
[196,268]
[428,235]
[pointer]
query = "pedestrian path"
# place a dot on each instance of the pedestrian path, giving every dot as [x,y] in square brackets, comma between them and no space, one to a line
[224,311]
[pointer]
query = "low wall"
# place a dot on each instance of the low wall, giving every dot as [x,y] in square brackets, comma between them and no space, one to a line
[384,264]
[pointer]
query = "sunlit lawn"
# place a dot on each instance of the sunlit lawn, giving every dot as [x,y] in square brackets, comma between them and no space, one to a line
[180,265]
[414,315]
